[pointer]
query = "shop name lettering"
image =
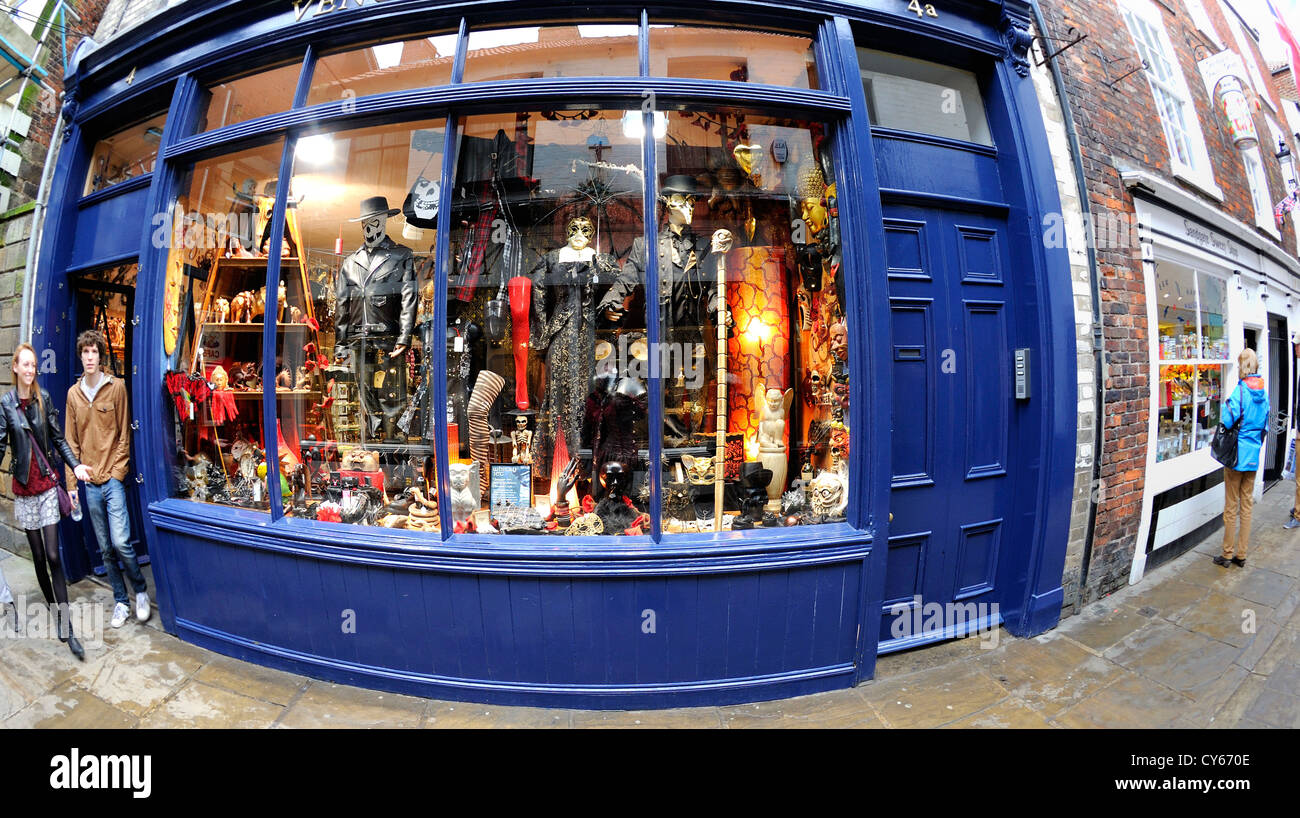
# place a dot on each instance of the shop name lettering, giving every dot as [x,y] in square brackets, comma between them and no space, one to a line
[323,6]
[1205,238]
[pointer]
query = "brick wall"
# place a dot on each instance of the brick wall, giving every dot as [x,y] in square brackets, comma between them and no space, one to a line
[1121,128]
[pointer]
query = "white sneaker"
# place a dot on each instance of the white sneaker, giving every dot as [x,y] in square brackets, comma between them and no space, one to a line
[142,606]
[120,613]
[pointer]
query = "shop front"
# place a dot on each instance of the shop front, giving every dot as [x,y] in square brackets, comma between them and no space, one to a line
[1213,288]
[598,357]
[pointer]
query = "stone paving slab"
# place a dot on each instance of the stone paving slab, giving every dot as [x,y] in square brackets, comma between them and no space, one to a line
[1130,702]
[264,683]
[460,715]
[840,709]
[1049,675]
[1006,714]
[68,707]
[935,697]
[197,705]
[324,704]
[683,717]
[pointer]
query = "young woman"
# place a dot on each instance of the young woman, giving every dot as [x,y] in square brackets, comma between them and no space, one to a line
[29,427]
[1249,404]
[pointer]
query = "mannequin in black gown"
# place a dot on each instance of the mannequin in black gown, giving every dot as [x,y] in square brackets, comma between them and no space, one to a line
[567,284]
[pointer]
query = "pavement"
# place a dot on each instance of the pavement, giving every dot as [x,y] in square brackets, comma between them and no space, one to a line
[1193,645]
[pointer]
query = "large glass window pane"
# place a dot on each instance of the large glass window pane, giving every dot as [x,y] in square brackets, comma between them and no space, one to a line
[213,307]
[1175,395]
[353,358]
[546,352]
[913,95]
[250,97]
[1209,402]
[378,69]
[750,295]
[737,55]
[124,155]
[1213,308]
[1176,312]
[602,50]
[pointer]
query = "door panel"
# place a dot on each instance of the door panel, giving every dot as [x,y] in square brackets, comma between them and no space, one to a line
[952,335]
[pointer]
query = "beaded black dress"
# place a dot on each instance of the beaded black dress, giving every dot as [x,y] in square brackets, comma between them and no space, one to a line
[563,330]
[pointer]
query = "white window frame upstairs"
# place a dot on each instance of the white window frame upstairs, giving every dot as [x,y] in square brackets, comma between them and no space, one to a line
[1201,19]
[1256,177]
[1248,57]
[1187,154]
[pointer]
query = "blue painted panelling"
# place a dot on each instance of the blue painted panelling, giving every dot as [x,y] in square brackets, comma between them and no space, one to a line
[100,235]
[652,646]
[988,389]
[926,168]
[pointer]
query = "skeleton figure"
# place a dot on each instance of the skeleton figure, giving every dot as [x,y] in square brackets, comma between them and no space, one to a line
[522,440]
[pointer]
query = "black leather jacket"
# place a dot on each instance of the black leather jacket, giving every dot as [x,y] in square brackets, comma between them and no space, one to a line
[376,296]
[14,425]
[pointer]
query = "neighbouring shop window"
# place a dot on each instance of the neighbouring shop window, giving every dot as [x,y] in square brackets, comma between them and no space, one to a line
[355,360]
[532,52]
[751,295]
[126,154]
[384,67]
[729,54]
[906,94]
[547,407]
[250,97]
[1193,350]
[214,304]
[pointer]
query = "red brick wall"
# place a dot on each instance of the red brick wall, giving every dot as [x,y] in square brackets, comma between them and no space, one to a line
[1121,128]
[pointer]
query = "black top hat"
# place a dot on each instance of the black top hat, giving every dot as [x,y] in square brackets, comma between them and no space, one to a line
[681,183]
[375,206]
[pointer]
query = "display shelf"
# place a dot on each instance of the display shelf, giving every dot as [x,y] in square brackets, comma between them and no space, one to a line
[232,326]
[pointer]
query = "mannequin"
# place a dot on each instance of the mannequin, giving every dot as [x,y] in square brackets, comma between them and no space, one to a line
[377,300]
[564,331]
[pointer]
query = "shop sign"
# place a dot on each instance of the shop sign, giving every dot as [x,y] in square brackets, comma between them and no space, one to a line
[1208,239]
[1222,75]
[319,7]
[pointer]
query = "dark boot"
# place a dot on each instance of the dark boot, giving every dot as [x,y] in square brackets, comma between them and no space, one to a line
[66,634]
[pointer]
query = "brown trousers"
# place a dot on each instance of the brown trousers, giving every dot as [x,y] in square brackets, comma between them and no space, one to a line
[1238,501]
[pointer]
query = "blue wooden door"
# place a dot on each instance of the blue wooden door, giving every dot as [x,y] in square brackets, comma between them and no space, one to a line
[952,477]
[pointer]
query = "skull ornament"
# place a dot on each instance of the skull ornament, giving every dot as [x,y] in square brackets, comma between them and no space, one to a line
[374,229]
[829,494]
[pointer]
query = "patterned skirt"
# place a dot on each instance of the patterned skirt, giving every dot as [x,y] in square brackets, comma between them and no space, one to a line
[33,513]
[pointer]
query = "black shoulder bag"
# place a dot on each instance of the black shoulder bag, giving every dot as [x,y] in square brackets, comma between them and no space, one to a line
[1223,447]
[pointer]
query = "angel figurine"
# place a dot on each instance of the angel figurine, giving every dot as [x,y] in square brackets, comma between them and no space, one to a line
[773,409]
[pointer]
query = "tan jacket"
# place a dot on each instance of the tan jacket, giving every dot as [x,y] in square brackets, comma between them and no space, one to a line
[99,433]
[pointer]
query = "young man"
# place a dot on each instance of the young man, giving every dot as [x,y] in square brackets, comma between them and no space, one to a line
[98,429]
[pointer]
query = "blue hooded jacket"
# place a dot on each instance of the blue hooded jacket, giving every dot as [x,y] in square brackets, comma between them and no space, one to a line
[1249,401]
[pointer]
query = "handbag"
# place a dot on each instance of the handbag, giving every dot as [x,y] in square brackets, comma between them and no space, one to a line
[65,499]
[1223,447]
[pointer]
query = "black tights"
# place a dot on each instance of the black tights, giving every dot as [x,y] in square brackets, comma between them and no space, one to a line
[48,552]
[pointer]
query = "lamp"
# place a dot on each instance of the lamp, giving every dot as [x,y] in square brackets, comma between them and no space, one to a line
[759,350]
[1236,276]
[1286,162]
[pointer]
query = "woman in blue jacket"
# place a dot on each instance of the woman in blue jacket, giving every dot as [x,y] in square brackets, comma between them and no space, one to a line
[1249,403]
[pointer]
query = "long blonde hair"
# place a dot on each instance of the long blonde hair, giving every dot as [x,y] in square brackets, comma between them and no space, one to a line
[36,379]
[1248,363]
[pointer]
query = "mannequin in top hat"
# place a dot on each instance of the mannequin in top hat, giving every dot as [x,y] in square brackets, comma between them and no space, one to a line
[377,299]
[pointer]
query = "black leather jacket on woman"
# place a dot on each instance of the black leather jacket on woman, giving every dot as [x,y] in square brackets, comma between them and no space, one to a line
[14,425]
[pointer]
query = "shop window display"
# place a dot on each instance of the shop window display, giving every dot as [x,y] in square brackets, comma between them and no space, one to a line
[103,297]
[755,342]
[1193,349]
[125,155]
[547,396]
[357,379]
[214,305]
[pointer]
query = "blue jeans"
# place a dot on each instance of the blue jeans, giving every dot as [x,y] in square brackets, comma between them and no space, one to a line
[107,505]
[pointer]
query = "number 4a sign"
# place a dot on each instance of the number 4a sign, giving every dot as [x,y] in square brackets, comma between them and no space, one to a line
[922,10]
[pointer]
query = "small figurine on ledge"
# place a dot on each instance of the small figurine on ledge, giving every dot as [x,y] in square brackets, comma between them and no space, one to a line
[522,440]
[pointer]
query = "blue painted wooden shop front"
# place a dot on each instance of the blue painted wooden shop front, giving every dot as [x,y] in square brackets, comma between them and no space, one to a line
[941,241]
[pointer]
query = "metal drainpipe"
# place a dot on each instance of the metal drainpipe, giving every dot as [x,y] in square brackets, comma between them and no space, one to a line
[37,233]
[1098,347]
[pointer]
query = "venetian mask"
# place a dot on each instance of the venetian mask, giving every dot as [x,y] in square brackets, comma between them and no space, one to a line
[587,525]
[580,232]
[681,208]
[698,469]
